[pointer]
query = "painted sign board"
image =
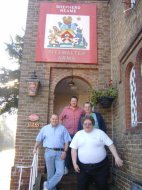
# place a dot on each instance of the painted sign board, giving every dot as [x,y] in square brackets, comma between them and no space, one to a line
[67,33]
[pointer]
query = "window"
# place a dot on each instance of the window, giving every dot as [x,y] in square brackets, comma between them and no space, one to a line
[133,93]
[129,4]
[133,98]
[128,75]
[133,2]
[131,69]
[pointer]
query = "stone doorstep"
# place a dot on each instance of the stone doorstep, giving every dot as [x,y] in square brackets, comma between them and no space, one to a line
[68,182]
[72,186]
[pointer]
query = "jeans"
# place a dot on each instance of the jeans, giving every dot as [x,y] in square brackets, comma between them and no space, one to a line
[55,167]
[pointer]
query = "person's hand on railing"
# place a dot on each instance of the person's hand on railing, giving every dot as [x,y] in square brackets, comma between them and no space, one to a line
[37,144]
[34,151]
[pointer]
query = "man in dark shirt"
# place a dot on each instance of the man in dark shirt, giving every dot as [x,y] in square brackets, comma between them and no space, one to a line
[99,121]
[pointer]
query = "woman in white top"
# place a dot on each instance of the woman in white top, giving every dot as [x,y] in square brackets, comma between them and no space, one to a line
[89,146]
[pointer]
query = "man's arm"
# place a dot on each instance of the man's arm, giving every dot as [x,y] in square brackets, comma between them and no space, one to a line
[74,159]
[62,116]
[101,122]
[37,144]
[80,127]
[66,147]
[64,153]
[118,160]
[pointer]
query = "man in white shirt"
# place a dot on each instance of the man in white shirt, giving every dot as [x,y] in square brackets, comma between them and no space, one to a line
[89,146]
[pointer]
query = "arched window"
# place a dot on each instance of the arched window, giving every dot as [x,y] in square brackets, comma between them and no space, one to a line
[133,97]
[129,4]
[133,2]
[138,68]
[133,93]
[128,78]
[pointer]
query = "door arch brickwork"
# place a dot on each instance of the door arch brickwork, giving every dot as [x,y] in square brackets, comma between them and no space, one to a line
[58,74]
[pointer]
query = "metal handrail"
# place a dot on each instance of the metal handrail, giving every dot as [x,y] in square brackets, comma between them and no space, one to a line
[33,171]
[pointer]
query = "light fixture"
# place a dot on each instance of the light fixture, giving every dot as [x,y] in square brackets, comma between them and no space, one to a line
[71,84]
[33,84]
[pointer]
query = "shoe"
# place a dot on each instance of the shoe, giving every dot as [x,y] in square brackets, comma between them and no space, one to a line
[45,186]
[66,171]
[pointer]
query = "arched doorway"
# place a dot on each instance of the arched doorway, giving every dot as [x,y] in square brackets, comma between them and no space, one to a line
[68,87]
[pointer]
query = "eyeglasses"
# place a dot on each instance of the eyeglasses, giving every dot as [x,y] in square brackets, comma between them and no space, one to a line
[87,124]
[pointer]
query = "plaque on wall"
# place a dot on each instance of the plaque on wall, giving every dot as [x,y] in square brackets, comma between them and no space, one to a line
[67,33]
[33,121]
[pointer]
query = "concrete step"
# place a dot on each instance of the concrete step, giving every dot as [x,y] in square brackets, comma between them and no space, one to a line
[72,186]
[69,182]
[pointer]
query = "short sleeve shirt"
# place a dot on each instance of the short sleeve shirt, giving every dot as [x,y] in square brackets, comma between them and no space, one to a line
[70,118]
[91,146]
[53,137]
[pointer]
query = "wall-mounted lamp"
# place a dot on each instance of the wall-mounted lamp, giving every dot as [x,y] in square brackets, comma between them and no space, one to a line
[33,84]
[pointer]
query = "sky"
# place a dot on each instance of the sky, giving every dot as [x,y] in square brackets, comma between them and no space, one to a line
[13,15]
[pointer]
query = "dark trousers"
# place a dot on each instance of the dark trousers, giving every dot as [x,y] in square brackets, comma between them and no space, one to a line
[98,173]
[68,160]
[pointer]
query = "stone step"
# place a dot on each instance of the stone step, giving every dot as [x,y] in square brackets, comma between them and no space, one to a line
[72,186]
[69,182]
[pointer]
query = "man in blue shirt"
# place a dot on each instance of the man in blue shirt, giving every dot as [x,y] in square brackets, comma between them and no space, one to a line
[55,139]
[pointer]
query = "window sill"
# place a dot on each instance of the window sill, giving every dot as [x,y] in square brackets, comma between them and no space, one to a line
[134,130]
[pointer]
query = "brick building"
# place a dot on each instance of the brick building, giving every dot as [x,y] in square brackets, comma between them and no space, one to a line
[119,57]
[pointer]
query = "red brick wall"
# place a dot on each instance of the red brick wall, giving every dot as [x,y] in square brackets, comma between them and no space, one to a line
[126,43]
